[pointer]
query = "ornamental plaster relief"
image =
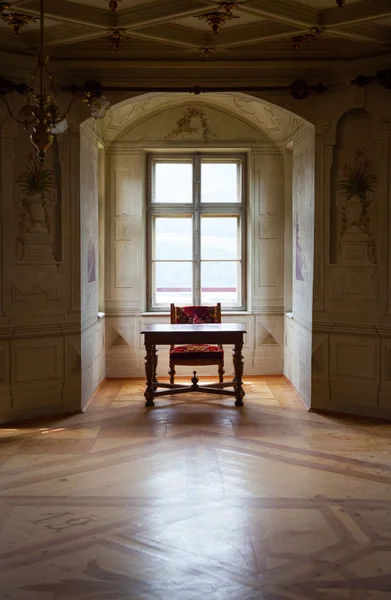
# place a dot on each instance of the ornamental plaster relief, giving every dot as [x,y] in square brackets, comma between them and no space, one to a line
[267,226]
[123,231]
[119,117]
[44,284]
[268,118]
[353,283]
[193,122]
[192,125]
[354,187]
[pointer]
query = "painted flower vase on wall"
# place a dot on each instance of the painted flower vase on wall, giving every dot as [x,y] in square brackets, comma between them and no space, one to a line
[355,200]
[36,198]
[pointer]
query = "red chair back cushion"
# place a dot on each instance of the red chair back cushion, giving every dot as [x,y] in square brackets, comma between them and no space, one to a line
[195,314]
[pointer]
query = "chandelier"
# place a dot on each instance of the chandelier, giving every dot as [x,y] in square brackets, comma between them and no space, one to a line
[41,110]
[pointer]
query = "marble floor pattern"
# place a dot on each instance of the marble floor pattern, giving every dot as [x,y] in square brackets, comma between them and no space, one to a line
[196,499]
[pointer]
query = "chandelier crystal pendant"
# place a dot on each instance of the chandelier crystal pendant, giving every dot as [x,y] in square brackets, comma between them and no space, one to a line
[41,110]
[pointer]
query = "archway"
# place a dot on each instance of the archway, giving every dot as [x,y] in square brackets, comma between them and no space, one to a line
[279,151]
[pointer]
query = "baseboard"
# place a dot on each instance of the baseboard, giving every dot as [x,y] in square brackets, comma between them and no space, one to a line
[296,392]
[90,399]
[372,412]
[39,412]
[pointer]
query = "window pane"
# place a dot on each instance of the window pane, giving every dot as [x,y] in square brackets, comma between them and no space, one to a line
[173,182]
[220,282]
[220,182]
[173,238]
[173,283]
[220,238]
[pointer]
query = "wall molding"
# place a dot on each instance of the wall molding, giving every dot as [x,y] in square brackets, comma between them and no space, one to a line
[40,330]
[356,328]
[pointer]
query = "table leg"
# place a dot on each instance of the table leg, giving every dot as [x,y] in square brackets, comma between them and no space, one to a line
[154,379]
[149,373]
[238,366]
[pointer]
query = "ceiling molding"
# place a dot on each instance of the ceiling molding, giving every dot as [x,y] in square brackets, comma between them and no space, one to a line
[161,11]
[363,32]
[63,10]
[65,34]
[172,34]
[284,11]
[255,32]
[354,13]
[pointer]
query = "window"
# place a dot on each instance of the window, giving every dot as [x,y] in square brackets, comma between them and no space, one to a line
[196,231]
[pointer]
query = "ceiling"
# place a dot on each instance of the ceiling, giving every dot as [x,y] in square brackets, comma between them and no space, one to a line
[171,32]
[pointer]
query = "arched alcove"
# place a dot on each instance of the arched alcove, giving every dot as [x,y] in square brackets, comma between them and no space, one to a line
[279,151]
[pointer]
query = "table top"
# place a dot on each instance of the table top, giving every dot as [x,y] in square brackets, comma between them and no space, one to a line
[199,328]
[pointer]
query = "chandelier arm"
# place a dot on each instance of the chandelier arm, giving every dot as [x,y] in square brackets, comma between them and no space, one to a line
[68,110]
[25,122]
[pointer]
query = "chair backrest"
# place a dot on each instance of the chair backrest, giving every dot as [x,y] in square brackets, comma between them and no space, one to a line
[195,314]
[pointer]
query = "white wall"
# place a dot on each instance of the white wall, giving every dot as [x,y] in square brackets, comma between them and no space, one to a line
[92,328]
[40,294]
[298,325]
[351,362]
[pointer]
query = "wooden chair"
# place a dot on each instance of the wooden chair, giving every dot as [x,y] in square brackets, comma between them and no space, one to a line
[200,354]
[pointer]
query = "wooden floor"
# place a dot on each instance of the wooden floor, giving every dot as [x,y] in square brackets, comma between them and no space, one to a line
[196,500]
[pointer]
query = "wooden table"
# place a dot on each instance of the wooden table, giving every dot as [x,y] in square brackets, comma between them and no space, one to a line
[208,333]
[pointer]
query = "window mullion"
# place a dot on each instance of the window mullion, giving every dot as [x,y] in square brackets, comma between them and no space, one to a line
[197,231]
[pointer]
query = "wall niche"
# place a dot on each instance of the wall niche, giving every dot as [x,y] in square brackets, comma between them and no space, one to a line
[353,187]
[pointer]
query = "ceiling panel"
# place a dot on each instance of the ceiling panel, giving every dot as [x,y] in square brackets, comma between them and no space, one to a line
[263,30]
[324,4]
[32,26]
[386,22]
[104,4]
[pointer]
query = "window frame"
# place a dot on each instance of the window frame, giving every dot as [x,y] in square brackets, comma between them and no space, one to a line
[196,210]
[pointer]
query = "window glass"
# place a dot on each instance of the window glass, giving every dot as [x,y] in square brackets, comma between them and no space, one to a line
[220,282]
[173,238]
[219,238]
[173,283]
[173,182]
[220,182]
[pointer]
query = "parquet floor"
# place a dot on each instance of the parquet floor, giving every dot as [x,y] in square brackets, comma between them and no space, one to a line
[196,499]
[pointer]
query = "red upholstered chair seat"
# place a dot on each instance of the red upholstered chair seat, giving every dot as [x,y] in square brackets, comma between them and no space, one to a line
[197,351]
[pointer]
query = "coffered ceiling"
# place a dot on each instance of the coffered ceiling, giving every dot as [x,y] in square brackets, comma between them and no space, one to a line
[174,31]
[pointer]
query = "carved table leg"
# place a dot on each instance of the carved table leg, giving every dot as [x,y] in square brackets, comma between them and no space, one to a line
[149,373]
[154,379]
[238,366]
